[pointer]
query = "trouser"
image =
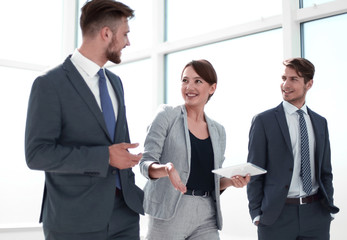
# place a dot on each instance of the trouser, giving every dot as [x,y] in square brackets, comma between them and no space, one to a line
[195,218]
[123,225]
[298,222]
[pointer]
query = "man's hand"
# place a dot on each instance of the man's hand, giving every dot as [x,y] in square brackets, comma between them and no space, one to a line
[120,156]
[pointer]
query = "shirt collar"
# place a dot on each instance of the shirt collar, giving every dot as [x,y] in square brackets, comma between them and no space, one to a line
[290,109]
[87,65]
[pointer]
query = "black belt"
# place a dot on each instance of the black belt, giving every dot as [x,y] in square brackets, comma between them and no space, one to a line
[200,193]
[304,200]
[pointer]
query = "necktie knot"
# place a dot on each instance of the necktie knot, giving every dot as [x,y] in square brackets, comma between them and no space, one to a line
[300,112]
[101,75]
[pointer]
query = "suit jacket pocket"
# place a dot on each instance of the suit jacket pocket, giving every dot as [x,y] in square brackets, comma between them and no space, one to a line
[71,179]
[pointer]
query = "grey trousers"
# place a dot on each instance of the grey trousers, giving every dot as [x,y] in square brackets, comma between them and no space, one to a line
[195,218]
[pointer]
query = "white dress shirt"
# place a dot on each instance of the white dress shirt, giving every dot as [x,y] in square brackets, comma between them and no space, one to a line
[89,72]
[296,186]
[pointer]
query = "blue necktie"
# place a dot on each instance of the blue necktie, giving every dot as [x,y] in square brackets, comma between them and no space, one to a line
[305,155]
[108,112]
[106,105]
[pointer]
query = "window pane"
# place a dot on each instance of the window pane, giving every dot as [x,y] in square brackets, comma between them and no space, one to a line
[193,17]
[34,33]
[310,3]
[328,97]
[21,199]
[141,26]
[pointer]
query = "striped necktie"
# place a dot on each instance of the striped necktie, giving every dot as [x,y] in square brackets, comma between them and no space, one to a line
[305,155]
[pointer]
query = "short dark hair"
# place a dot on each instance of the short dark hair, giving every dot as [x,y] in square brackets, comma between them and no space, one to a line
[303,67]
[97,14]
[204,69]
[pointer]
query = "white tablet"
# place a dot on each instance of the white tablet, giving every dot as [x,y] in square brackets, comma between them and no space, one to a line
[240,169]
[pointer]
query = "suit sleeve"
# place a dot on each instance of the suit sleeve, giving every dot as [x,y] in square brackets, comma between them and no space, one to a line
[154,142]
[257,155]
[326,173]
[44,130]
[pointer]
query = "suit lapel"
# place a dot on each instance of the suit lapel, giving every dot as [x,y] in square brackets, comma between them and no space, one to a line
[121,132]
[84,92]
[281,119]
[319,133]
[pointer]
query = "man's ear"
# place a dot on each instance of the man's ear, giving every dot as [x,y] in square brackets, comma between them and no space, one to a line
[309,84]
[106,33]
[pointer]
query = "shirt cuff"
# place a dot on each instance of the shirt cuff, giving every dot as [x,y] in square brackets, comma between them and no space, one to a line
[257,218]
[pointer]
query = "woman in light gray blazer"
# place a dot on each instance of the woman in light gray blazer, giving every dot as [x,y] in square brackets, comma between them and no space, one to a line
[182,146]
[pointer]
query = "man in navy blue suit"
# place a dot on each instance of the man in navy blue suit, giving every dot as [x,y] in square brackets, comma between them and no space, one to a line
[77,133]
[294,200]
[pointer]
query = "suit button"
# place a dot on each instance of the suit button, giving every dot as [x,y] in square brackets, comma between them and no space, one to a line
[290,169]
[287,187]
[114,172]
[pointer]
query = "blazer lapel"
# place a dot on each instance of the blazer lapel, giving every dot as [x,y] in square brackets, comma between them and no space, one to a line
[214,139]
[217,153]
[187,138]
[84,92]
[281,119]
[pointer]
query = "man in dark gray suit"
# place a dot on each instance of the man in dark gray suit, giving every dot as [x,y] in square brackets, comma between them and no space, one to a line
[77,133]
[294,200]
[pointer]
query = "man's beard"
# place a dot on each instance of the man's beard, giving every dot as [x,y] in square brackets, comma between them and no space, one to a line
[112,55]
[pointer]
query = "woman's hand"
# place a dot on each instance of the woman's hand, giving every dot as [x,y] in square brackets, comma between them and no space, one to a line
[239,182]
[235,181]
[175,178]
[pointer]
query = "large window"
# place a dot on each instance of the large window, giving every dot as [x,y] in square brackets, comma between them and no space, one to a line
[23,187]
[31,41]
[195,17]
[29,33]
